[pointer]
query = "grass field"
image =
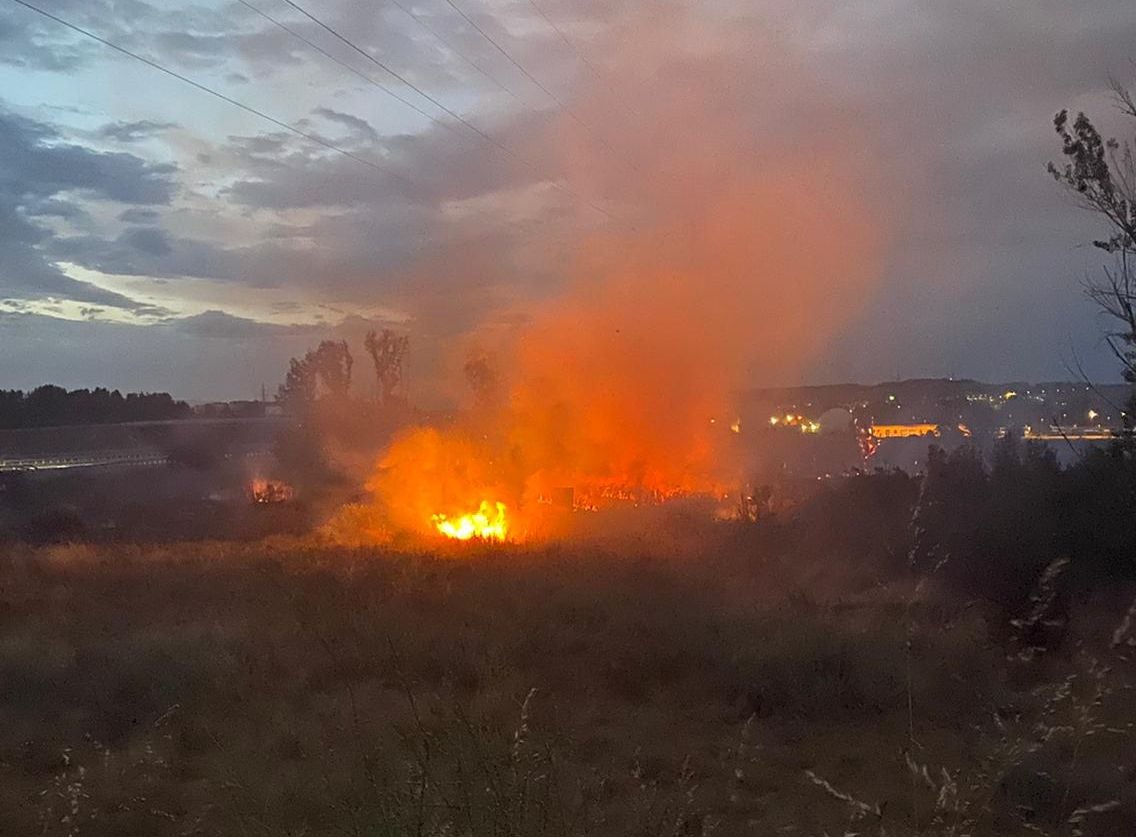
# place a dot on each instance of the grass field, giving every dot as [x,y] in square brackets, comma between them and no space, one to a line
[293,688]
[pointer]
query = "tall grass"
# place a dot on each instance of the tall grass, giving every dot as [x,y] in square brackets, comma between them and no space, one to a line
[286,687]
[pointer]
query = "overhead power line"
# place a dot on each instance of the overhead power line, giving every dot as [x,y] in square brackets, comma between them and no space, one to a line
[564,37]
[300,36]
[314,138]
[502,50]
[206,89]
[571,44]
[488,138]
[446,43]
[336,34]
[534,80]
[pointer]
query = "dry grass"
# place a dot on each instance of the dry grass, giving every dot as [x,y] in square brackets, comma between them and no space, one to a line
[290,688]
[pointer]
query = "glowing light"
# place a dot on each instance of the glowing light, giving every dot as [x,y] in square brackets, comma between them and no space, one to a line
[270,491]
[1093,414]
[903,431]
[736,426]
[488,523]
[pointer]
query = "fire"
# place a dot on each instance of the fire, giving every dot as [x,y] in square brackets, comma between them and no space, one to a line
[601,392]
[506,484]
[263,491]
[488,523]
[435,482]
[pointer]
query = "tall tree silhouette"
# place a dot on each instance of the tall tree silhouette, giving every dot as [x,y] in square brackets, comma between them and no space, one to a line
[1101,174]
[388,351]
[322,372]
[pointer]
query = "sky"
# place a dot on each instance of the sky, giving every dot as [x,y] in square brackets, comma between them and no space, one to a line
[155,237]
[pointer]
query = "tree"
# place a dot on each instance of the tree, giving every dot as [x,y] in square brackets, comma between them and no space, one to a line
[481,378]
[1100,507]
[50,405]
[1101,173]
[322,372]
[388,351]
[299,387]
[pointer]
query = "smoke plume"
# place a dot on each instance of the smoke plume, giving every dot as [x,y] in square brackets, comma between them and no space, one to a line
[747,229]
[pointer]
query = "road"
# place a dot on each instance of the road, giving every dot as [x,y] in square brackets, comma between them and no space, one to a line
[85,460]
[89,446]
[96,459]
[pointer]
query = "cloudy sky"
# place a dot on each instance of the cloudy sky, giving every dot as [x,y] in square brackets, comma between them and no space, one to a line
[153,236]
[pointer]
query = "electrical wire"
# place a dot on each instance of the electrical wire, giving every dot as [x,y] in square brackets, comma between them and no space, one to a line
[206,89]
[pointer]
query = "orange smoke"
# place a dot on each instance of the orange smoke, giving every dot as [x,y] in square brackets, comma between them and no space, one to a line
[744,247]
[623,385]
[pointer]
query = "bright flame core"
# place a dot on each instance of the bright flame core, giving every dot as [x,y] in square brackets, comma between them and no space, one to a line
[487,523]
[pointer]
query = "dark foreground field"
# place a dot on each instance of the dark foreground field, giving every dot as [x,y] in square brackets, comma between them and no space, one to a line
[282,687]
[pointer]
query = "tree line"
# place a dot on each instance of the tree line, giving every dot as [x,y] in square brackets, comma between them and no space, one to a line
[325,372]
[53,406]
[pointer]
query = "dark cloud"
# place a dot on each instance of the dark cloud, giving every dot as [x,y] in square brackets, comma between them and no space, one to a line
[361,127]
[138,215]
[262,150]
[25,275]
[150,241]
[427,169]
[218,324]
[36,167]
[148,251]
[134,131]
[54,208]
[37,163]
[191,47]
[29,42]
[352,253]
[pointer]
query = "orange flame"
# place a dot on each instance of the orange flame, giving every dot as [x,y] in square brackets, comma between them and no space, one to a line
[749,251]
[487,523]
[436,482]
[269,491]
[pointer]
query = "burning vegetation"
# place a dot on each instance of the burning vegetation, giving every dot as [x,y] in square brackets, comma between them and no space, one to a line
[265,492]
[750,248]
[487,523]
[619,389]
